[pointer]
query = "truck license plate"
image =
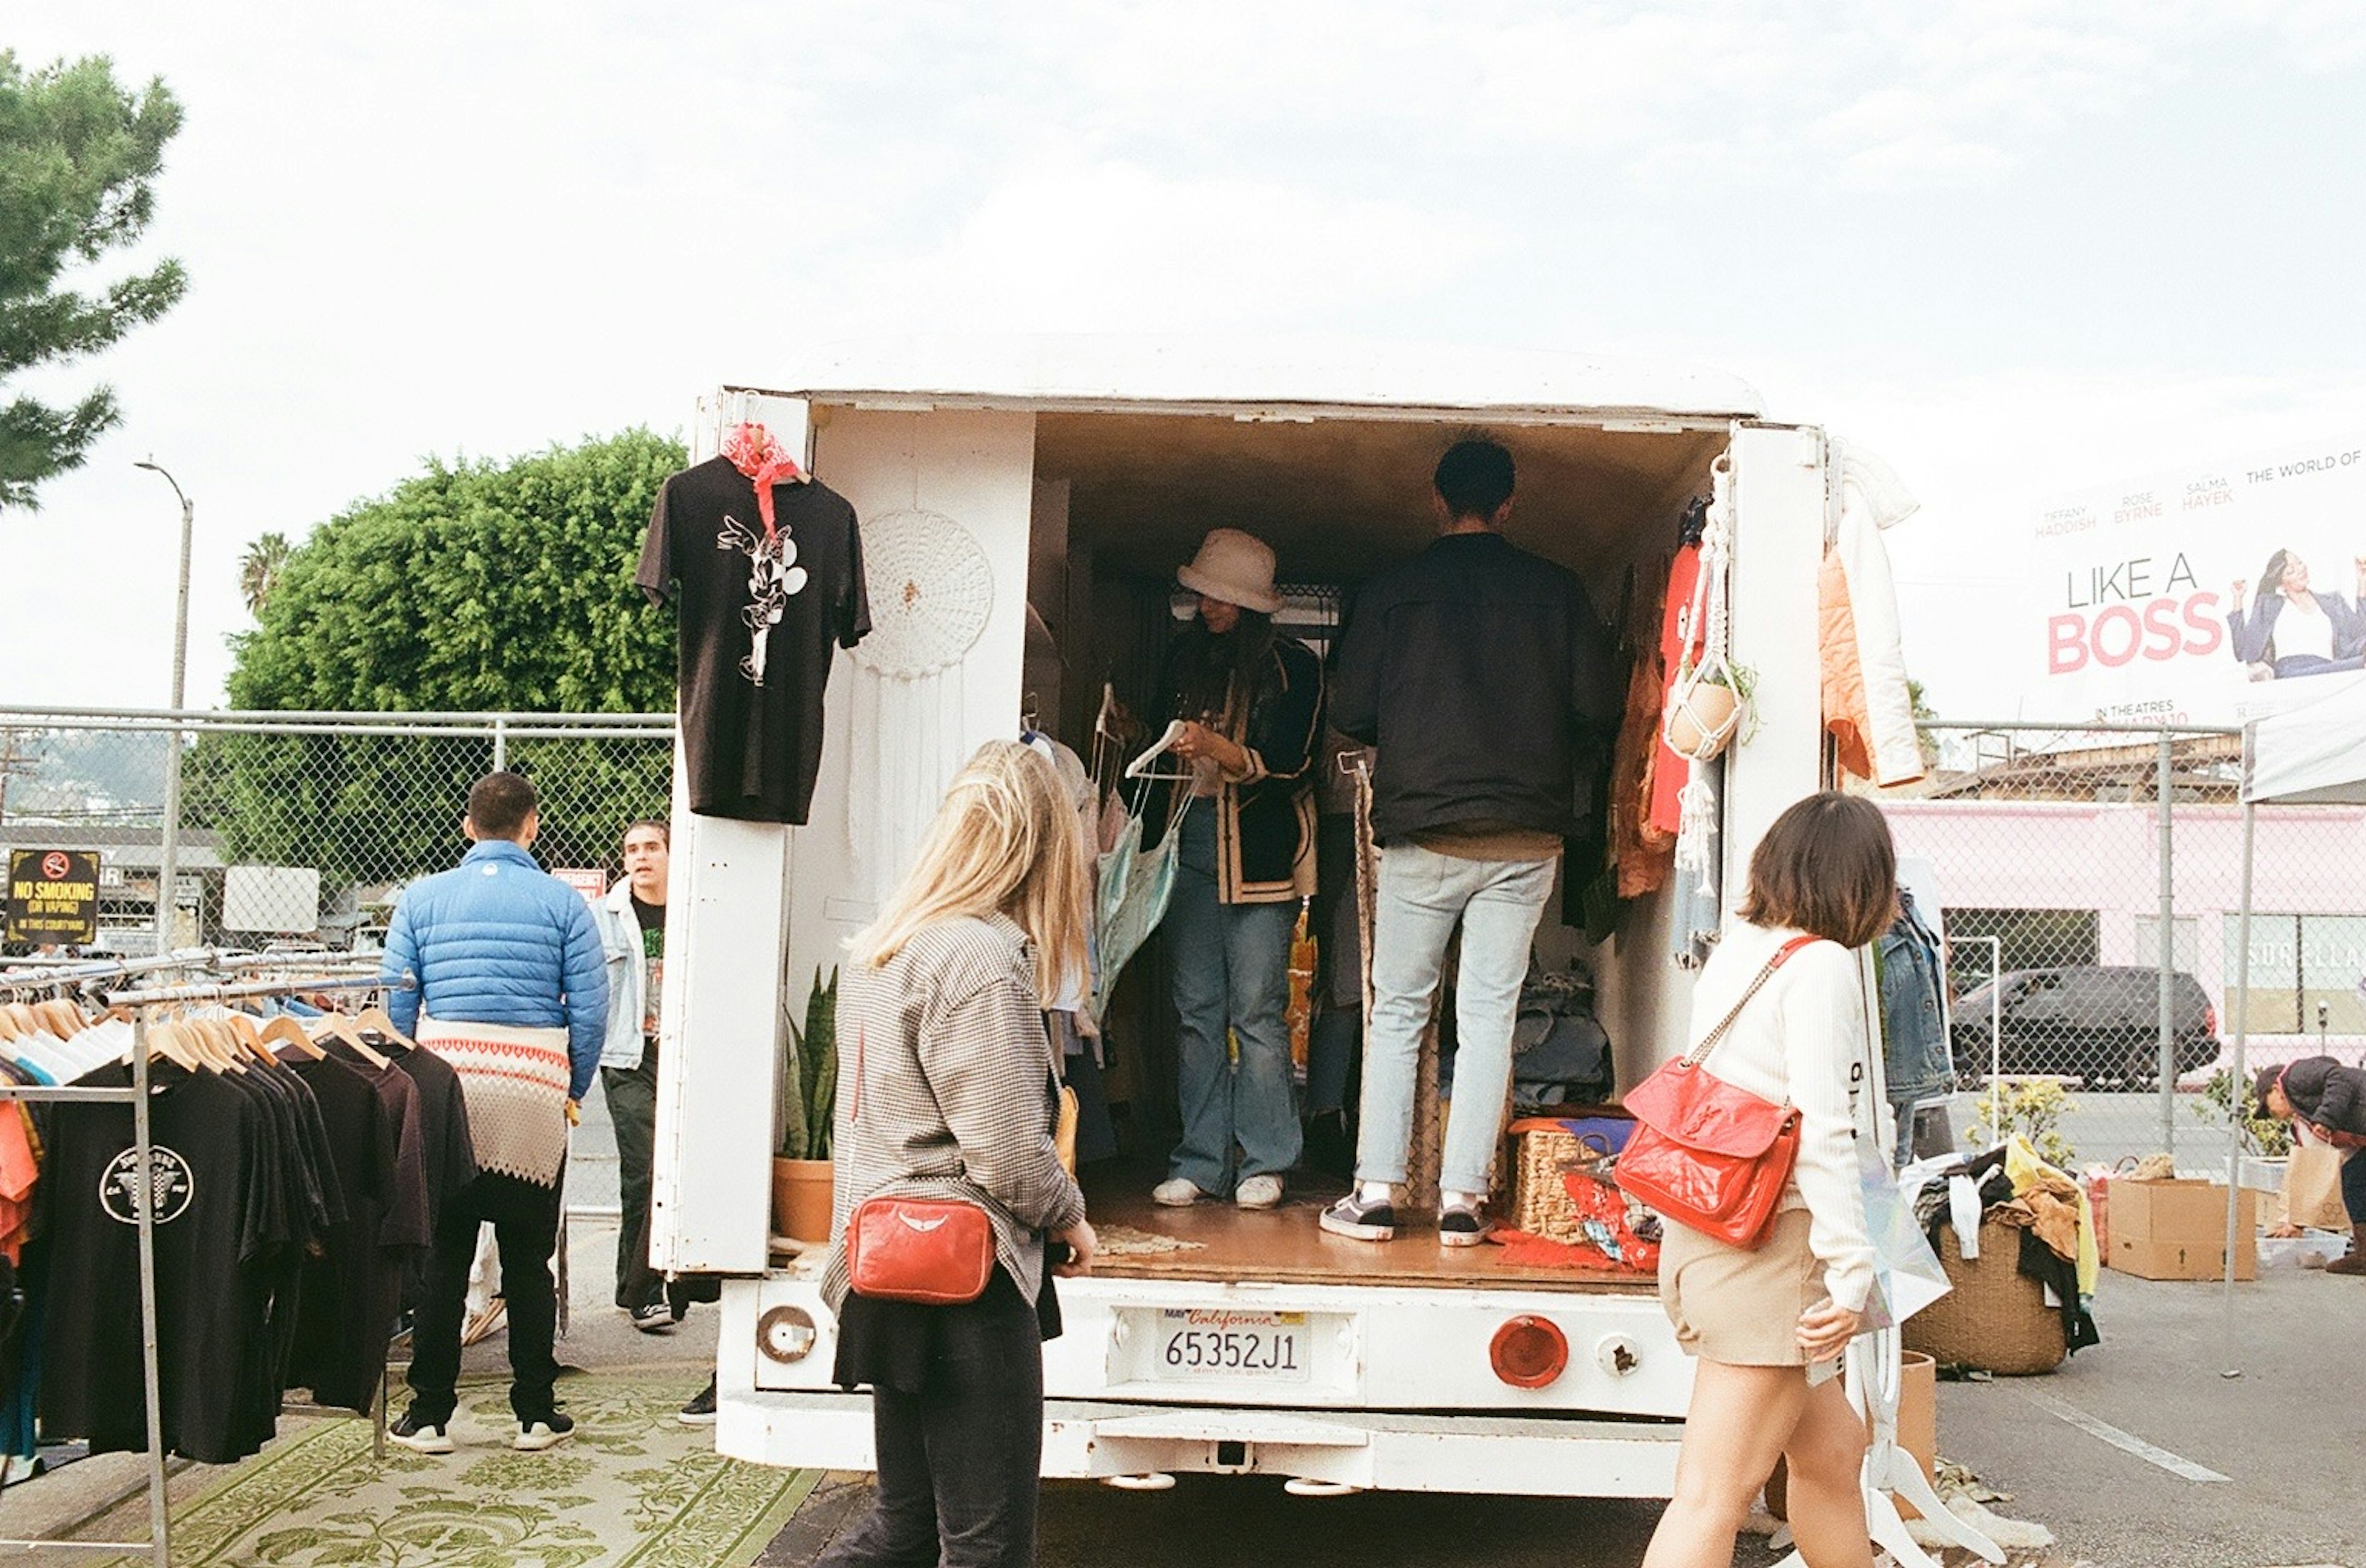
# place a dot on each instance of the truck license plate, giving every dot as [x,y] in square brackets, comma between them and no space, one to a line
[1213,1345]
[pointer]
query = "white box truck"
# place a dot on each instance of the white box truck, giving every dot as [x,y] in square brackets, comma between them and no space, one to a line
[1083,473]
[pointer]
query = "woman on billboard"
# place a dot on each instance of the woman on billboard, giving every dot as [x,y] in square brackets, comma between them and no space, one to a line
[2292,629]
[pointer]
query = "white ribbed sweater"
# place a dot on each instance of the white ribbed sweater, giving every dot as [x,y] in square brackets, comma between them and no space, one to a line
[1804,1038]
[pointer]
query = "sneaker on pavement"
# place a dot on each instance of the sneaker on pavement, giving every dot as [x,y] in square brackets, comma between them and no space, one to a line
[1258,1193]
[699,1412]
[655,1318]
[1460,1226]
[544,1432]
[421,1436]
[1360,1220]
[1177,1192]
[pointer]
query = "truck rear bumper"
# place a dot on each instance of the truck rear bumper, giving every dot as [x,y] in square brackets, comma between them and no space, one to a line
[1379,1450]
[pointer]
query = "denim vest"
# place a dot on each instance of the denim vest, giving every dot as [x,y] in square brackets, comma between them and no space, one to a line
[1916,1060]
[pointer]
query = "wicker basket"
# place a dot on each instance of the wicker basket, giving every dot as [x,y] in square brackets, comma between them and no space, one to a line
[1996,1317]
[1540,1201]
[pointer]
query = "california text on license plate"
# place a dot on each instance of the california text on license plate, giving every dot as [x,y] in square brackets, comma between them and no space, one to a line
[1211,1343]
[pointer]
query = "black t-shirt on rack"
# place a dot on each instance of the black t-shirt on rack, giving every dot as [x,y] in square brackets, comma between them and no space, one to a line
[446,1152]
[211,1173]
[758,618]
[352,1288]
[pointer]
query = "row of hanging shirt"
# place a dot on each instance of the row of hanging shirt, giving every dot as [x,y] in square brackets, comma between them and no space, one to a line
[296,1168]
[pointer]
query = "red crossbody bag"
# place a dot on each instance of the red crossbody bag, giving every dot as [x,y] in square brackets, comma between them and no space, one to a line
[1707,1155]
[934,1251]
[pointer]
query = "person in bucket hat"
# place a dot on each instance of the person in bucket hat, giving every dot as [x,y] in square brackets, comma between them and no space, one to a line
[1250,703]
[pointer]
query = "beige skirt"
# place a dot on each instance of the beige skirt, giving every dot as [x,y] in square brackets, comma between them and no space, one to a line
[1741,1307]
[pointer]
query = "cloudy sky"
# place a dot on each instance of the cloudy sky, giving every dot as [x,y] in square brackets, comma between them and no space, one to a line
[2017,246]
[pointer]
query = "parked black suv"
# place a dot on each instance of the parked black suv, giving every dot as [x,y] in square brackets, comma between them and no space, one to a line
[2097,1023]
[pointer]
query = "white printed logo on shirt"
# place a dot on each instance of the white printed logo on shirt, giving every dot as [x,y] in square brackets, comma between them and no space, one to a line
[773,576]
[170,1185]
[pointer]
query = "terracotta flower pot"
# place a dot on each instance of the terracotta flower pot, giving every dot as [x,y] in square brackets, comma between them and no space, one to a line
[801,1199]
[1697,724]
[1918,1433]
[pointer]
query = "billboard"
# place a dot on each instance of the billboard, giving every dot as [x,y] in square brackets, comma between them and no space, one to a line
[2207,595]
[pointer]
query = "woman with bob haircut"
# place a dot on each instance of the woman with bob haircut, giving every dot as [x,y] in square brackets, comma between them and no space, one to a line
[949,1092]
[1767,1326]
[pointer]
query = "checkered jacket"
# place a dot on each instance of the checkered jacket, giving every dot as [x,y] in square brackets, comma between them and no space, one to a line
[948,1090]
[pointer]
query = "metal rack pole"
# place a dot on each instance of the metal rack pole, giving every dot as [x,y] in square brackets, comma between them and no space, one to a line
[160,1526]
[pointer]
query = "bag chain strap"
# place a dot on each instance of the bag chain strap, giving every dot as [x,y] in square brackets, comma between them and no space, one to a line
[1700,1052]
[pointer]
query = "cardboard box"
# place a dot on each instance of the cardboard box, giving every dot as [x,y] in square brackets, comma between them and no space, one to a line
[2177,1230]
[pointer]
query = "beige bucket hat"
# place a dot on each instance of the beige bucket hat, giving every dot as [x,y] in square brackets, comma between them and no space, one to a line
[1235,567]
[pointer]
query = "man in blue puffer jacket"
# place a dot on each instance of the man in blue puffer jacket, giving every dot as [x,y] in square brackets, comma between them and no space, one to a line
[496,966]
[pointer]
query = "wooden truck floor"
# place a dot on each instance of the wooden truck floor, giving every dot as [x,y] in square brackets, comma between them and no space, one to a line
[1218,1241]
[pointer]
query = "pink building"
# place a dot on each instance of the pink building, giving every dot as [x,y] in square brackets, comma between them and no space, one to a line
[2079,882]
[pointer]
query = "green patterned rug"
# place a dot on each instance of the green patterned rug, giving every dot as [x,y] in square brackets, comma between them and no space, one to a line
[634,1488]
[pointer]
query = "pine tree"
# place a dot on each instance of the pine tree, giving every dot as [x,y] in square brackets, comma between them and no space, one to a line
[78,159]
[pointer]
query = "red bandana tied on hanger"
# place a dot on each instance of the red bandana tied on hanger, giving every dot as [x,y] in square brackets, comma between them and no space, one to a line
[758,453]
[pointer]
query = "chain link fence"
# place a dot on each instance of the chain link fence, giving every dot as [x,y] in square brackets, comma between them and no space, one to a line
[2089,881]
[301,828]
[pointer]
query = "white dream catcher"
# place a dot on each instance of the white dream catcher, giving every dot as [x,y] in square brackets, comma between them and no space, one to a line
[931,591]
[1708,701]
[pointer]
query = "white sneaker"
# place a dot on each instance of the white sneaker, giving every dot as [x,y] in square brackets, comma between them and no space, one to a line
[1177,1192]
[1258,1193]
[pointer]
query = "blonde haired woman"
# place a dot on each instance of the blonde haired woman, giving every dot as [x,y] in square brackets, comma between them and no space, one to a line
[949,1092]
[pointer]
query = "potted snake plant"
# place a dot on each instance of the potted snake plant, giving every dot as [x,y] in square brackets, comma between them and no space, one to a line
[804,1107]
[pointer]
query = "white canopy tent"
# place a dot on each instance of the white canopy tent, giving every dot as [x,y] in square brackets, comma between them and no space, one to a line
[2312,755]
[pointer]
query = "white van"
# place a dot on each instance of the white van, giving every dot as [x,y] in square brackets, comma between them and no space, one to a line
[1081,474]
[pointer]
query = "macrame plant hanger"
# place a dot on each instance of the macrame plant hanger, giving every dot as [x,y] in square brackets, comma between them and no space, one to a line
[1705,707]
[931,591]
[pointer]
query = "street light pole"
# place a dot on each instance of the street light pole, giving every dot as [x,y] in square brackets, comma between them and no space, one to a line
[169,859]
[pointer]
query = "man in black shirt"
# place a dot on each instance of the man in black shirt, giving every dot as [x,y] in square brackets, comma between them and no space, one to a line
[1481,673]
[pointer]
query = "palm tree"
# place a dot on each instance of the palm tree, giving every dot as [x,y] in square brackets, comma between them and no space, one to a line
[259,569]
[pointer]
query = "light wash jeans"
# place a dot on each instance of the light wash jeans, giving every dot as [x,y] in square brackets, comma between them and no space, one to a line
[1422,894]
[1232,976]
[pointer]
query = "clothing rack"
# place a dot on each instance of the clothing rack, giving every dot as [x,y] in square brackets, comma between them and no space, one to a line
[158,1548]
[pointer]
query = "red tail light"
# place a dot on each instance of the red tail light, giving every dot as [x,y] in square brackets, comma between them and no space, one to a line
[1528,1352]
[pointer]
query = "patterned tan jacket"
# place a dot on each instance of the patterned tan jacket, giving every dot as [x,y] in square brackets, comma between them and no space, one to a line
[948,1090]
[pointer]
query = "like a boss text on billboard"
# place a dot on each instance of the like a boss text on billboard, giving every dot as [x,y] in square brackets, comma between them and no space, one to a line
[2141,585]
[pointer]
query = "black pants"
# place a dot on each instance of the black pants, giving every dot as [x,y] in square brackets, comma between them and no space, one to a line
[959,1460]
[633,1107]
[2353,1187]
[525,1228]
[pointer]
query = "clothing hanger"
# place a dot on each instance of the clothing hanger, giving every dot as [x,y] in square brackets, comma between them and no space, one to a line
[375,1021]
[166,1039]
[220,1044]
[10,1028]
[242,1026]
[284,1028]
[1140,767]
[64,1019]
[341,1028]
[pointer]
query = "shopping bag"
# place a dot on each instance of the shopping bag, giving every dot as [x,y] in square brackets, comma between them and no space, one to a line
[2313,1187]
[1909,1273]
[1135,885]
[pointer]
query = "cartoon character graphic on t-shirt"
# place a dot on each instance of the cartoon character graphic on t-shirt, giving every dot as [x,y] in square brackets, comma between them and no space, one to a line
[773,577]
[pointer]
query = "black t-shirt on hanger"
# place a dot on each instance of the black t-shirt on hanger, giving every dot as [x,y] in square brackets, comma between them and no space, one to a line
[352,1290]
[759,619]
[212,1175]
